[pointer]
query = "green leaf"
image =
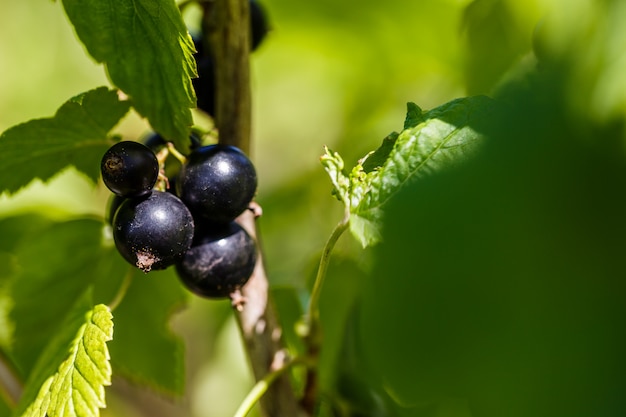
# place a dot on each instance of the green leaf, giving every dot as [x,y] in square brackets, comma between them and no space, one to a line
[414,115]
[289,309]
[148,54]
[56,264]
[70,376]
[500,283]
[145,350]
[495,39]
[377,158]
[77,135]
[341,290]
[13,230]
[439,138]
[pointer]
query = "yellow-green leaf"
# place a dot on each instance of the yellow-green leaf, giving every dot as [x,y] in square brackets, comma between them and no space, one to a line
[75,386]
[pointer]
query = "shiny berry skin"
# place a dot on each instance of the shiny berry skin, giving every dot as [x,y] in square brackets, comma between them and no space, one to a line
[129,169]
[220,261]
[153,232]
[217,183]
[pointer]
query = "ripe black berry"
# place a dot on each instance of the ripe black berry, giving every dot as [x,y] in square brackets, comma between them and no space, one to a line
[258,24]
[220,261]
[129,169]
[204,84]
[217,183]
[153,232]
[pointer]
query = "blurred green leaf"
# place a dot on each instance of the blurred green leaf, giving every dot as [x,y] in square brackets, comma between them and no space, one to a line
[499,282]
[341,290]
[342,374]
[290,312]
[77,135]
[439,138]
[59,263]
[148,54]
[585,46]
[70,376]
[496,38]
[289,309]
[14,230]
[145,350]
[62,261]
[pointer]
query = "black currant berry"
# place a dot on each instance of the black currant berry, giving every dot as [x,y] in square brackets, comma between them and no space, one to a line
[153,232]
[220,261]
[204,84]
[129,169]
[258,24]
[217,183]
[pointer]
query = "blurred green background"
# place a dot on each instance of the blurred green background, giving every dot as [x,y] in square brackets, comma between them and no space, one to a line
[336,73]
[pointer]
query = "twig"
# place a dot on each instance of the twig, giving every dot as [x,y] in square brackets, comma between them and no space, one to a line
[226,25]
[313,330]
[261,387]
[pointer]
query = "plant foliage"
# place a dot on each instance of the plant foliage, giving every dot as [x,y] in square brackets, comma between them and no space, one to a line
[76,135]
[430,141]
[71,375]
[488,281]
[148,54]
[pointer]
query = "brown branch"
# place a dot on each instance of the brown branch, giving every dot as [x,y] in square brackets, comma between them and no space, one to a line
[227,27]
[262,337]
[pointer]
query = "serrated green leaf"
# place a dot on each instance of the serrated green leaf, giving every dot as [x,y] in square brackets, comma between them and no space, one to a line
[57,264]
[148,54]
[445,135]
[73,387]
[377,158]
[76,135]
[414,115]
[145,350]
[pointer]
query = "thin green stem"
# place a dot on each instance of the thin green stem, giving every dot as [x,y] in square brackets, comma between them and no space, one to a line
[121,292]
[261,387]
[313,312]
[182,158]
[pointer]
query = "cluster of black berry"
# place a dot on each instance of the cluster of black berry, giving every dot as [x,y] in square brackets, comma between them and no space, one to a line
[191,227]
